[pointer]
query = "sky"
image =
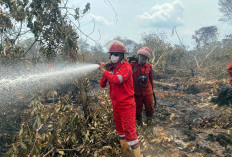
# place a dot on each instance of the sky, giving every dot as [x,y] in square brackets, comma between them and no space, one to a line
[132,18]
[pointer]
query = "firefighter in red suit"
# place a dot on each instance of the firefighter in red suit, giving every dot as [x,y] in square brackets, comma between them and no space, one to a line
[143,85]
[229,69]
[120,80]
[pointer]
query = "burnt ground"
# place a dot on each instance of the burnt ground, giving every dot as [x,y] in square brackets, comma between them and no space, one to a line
[11,118]
[188,125]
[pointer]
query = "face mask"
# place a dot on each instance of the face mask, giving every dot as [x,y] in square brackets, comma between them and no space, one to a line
[114,59]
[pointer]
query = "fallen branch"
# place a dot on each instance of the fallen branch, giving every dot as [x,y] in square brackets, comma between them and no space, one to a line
[164,84]
[50,151]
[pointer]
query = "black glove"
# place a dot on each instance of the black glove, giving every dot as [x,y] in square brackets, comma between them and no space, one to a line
[109,66]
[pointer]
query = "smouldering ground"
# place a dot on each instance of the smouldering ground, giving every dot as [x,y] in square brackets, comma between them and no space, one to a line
[188,125]
[185,124]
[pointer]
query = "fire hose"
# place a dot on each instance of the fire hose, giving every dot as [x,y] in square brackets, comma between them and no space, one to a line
[154,98]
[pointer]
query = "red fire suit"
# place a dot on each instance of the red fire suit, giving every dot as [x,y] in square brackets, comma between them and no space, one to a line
[143,94]
[122,96]
[229,69]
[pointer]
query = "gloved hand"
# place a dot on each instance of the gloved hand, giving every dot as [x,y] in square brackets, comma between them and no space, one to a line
[109,66]
[102,66]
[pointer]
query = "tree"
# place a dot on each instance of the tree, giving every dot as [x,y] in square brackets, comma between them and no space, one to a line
[83,46]
[205,35]
[156,42]
[131,45]
[98,54]
[33,51]
[97,48]
[50,22]
[206,44]
[227,42]
[226,10]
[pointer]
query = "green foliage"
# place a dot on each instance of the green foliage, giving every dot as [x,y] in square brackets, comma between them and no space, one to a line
[50,21]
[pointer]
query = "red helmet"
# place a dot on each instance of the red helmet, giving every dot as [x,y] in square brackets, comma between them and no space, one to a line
[116,46]
[144,51]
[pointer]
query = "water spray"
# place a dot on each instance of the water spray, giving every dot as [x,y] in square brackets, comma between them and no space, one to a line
[29,83]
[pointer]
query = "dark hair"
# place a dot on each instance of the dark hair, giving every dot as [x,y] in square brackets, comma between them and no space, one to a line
[117,54]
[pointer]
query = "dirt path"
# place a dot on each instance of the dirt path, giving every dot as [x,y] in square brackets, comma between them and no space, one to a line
[188,125]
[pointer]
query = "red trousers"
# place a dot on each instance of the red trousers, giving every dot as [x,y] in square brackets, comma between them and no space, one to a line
[147,100]
[124,119]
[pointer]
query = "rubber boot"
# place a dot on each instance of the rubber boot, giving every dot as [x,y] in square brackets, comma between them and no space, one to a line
[136,152]
[139,120]
[149,121]
[126,150]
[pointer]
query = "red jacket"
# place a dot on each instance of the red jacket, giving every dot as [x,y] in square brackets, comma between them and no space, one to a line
[146,70]
[121,85]
[229,69]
